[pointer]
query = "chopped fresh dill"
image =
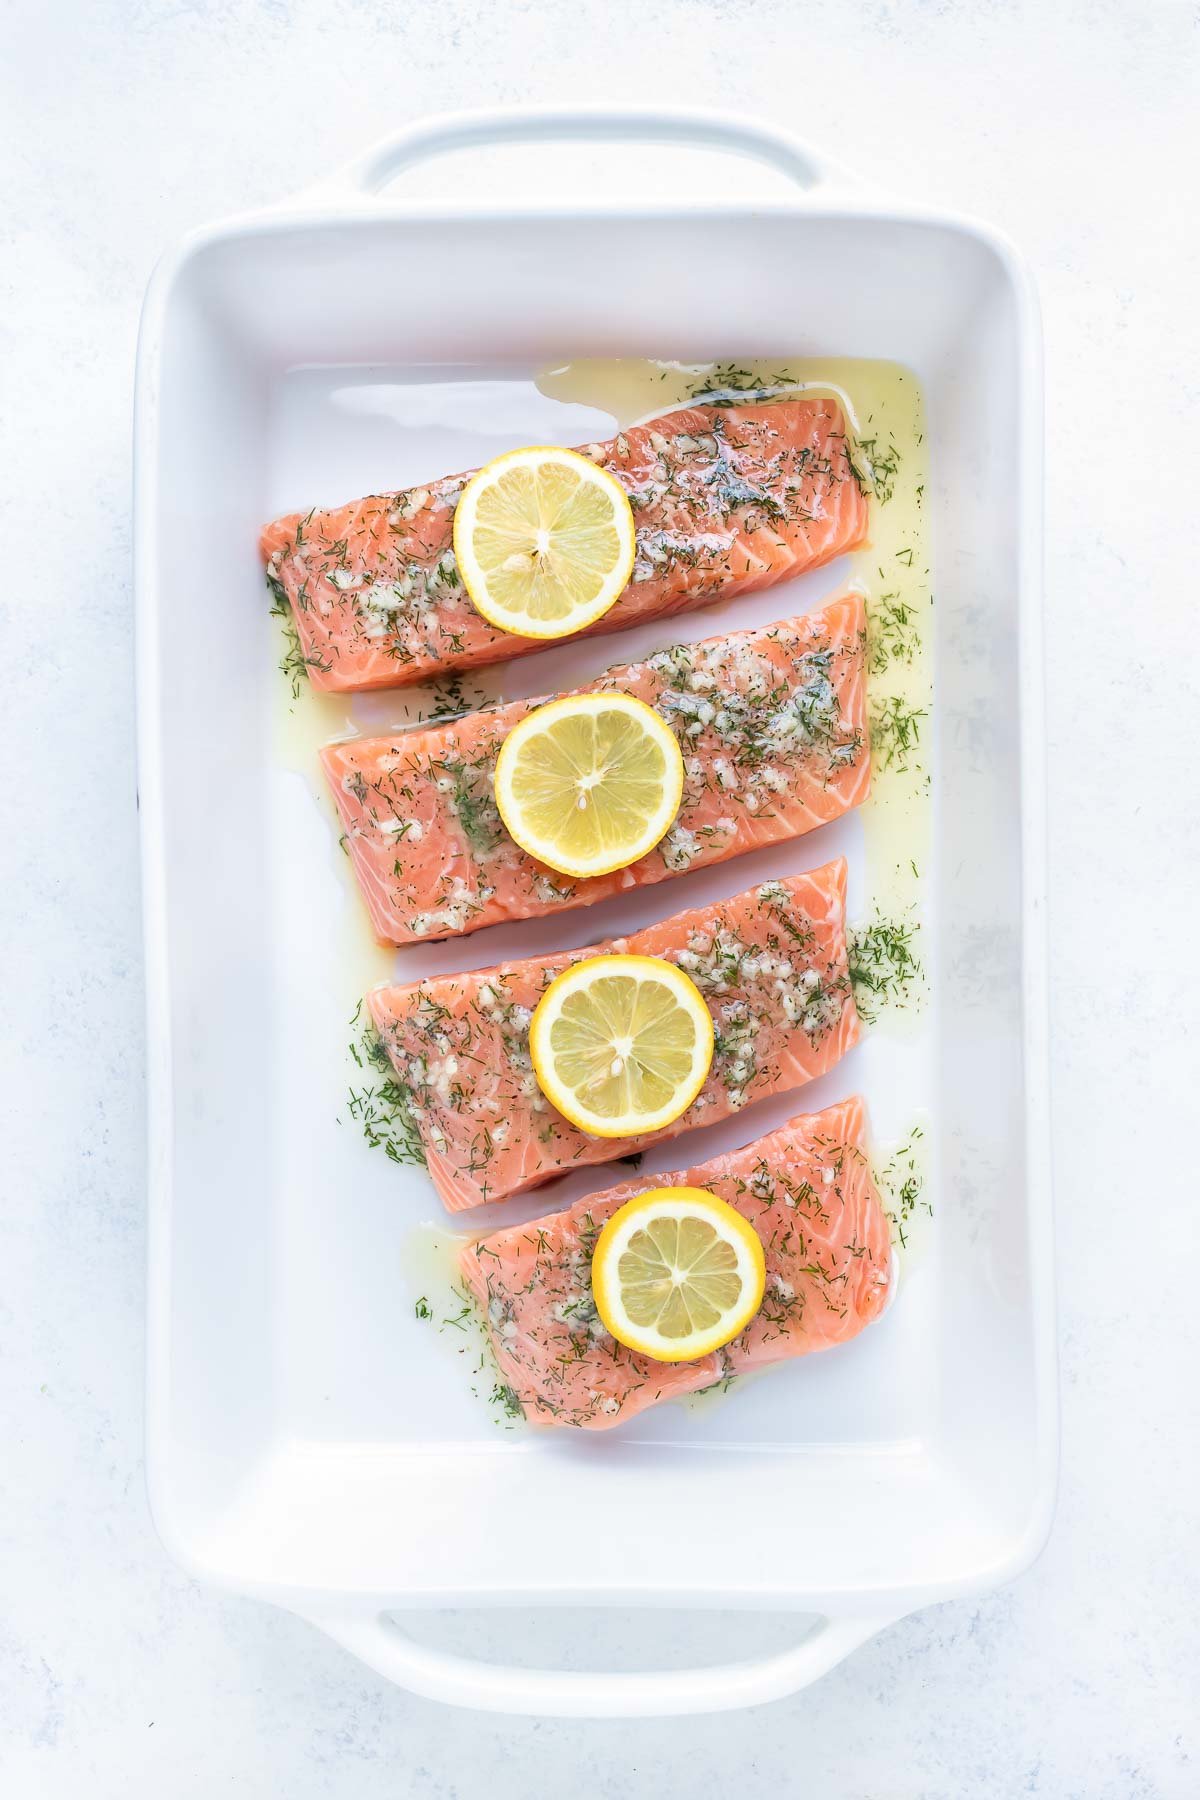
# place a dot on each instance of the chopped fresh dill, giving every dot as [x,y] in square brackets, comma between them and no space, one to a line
[902,1185]
[721,1385]
[726,384]
[450,699]
[293,663]
[458,1321]
[884,966]
[892,635]
[473,815]
[474,804]
[506,1398]
[895,732]
[874,466]
[382,1110]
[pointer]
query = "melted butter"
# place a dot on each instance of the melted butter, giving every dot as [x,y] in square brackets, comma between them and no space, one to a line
[429,1267]
[303,723]
[902,1175]
[434,1289]
[630,388]
[707,1400]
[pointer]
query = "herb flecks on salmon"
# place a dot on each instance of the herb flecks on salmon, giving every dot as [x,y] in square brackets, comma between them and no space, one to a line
[773,728]
[725,500]
[771,964]
[808,1191]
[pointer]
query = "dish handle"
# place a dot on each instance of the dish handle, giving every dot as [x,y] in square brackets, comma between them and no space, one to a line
[694,128]
[378,1640]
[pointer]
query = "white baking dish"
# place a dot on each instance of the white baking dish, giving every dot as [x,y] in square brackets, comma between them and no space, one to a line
[300,1448]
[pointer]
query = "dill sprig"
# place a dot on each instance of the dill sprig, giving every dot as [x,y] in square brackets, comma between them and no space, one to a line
[902,1185]
[465,1322]
[892,635]
[721,1385]
[895,732]
[465,1315]
[451,699]
[382,1110]
[726,384]
[506,1399]
[293,663]
[475,806]
[874,466]
[884,966]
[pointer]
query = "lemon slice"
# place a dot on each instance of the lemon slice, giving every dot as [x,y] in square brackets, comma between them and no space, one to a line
[677,1273]
[589,783]
[621,1044]
[544,541]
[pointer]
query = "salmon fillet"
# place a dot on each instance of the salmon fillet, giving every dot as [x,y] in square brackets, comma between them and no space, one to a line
[808,1192]
[773,728]
[725,499]
[771,964]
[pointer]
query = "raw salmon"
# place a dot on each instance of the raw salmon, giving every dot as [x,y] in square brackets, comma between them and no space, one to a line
[807,1190]
[771,963]
[773,728]
[725,499]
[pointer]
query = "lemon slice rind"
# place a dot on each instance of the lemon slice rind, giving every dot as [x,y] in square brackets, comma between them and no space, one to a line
[639,1012]
[631,1273]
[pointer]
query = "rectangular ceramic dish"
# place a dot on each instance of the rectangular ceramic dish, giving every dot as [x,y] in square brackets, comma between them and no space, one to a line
[301,1447]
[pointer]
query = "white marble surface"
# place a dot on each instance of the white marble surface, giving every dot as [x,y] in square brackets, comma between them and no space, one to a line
[1073,126]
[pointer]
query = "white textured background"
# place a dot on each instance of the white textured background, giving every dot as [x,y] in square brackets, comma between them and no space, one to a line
[1072,126]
